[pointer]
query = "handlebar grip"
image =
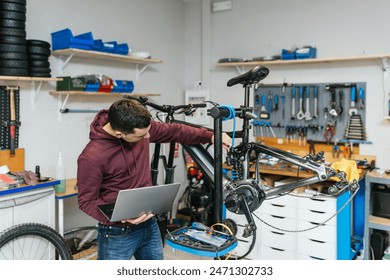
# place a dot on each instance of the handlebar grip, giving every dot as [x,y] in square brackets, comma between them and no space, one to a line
[199,105]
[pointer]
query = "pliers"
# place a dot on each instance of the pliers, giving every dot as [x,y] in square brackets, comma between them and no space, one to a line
[312,149]
[335,151]
[347,151]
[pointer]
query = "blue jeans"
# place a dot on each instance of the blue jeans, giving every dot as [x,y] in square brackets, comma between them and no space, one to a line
[142,241]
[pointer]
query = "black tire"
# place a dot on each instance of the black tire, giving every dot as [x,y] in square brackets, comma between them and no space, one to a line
[38,50]
[12,48]
[14,72]
[12,15]
[14,7]
[245,244]
[39,70]
[38,43]
[32,241]
[42,57]
[38,63]
[5,63]
[11,23]
[82,242]
[13,55]
[13,32]
[12,40]
[40,75]
[20,2]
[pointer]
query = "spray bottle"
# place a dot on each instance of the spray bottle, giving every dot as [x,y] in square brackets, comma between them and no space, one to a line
[60,175]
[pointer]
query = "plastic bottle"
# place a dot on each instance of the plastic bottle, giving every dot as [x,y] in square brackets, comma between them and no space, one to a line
[60,175]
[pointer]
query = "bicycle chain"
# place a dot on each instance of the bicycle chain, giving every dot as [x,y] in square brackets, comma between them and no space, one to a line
[316,226]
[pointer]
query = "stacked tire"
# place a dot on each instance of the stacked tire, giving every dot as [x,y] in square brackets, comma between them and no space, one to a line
[38,52]
[13,50]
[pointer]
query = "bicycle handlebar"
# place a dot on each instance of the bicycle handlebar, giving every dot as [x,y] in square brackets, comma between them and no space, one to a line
[186,109]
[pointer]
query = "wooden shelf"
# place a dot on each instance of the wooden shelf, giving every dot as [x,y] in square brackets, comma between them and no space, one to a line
[86,93]
[305,61]
[105,56]
[379,220]
[28,79]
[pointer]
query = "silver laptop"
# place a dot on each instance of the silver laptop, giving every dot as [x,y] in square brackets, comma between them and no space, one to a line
[132,203]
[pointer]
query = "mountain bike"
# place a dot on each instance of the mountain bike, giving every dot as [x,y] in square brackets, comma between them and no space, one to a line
[241,192]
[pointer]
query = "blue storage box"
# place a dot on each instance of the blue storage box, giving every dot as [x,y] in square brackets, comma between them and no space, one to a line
[110,47]
[288,55]
[122,49]
[123,86]
[64,39]
[92,83]
[99,45]
[306,52]
[92,87]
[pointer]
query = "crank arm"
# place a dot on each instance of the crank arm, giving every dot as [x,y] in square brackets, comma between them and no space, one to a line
[251,226]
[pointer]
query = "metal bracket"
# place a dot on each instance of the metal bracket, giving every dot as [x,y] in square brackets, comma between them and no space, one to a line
[65,62]
[34,93]
[140,71]
[241,70]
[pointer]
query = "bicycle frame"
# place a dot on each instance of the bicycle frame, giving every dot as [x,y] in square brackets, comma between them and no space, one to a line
[243,195]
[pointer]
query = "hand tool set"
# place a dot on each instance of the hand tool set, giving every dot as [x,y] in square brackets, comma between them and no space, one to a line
[336,110]
[9,118]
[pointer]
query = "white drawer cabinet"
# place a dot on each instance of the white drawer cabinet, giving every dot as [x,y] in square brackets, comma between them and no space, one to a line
[288,236]
[275,253]
[316,248]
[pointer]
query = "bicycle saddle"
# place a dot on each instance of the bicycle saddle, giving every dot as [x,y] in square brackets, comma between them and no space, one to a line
[254,75]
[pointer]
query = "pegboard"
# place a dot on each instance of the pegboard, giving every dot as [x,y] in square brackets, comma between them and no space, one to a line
[5,118]
[339,114]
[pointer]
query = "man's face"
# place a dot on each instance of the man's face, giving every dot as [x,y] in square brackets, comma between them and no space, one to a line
[138,135]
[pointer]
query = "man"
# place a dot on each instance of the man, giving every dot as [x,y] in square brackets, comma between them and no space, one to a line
[116,158]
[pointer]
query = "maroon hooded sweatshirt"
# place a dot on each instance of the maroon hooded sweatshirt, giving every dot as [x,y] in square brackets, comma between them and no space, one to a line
[109,164]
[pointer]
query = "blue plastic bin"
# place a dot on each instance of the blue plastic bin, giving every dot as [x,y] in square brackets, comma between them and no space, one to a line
[122,49]
[101,46]
[64,39]
[288,55]
[123,86]
[309,53]
[110,47]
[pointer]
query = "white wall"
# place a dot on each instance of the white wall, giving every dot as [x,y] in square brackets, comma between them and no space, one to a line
[147,25]
[337,28]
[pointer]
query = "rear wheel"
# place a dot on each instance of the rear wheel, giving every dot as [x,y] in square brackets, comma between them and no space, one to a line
[82,242]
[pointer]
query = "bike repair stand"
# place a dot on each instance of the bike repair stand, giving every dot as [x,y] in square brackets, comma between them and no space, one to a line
[199,239]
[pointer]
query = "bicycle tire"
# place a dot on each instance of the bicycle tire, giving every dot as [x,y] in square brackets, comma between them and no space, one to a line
[33,241]
[245,245]
[82,242]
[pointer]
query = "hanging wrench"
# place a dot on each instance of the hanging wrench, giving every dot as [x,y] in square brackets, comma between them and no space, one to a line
[293,103]
[361,97]
[315,95]
[300,114]
[307,113]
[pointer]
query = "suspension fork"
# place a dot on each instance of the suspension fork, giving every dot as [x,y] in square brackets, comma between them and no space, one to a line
[168,164]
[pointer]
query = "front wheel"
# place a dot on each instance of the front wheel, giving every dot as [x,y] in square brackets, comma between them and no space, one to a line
[32,241]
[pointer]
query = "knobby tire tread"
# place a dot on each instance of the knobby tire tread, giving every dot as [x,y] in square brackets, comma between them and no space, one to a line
[35,229]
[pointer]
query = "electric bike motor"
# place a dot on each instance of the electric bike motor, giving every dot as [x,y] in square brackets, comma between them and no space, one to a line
[243,191]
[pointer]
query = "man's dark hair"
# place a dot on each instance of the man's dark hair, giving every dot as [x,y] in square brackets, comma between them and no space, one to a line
[124,115]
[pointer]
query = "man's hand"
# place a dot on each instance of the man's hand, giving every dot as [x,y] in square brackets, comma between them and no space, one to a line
[226,141]
[140,219]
